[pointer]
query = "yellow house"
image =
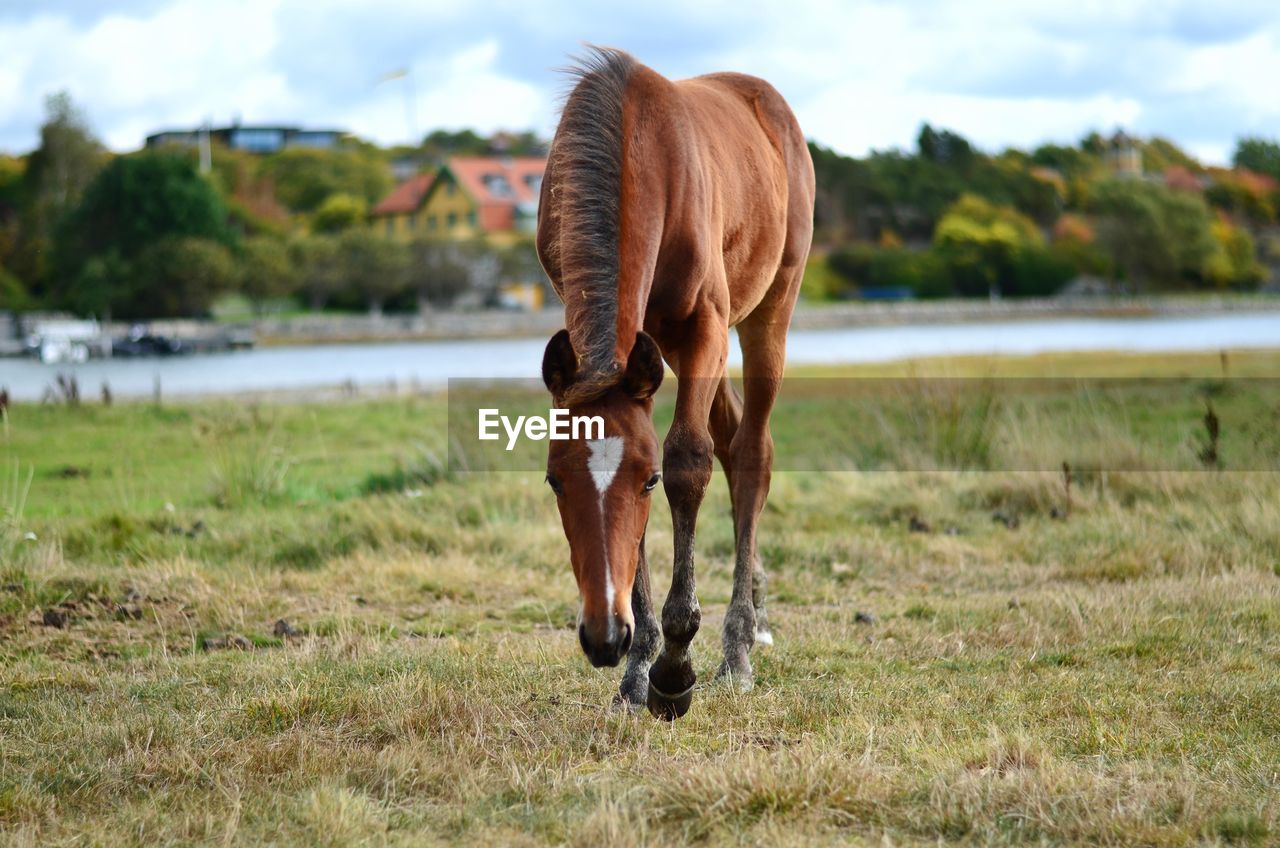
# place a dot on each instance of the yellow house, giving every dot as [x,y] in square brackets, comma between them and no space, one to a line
[469,196]
[399,214]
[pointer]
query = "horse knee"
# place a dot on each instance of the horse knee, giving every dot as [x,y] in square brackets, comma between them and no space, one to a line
[681,618]
[751,453]
[686,466]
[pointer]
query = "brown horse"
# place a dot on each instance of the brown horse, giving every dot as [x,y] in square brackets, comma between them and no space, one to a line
[670,212]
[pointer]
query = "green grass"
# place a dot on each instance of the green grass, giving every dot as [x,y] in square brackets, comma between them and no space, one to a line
[1111,676]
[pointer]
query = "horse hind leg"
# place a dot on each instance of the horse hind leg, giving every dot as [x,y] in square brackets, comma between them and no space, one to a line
[726,415]
[751,456]
[759,585]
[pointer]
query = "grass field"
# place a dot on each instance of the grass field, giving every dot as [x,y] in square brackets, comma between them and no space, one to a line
[964,654]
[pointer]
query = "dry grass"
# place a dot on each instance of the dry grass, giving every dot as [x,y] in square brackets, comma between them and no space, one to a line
[1110,677]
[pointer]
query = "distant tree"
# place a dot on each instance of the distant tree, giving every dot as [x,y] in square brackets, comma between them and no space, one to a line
[13,295]
[1234,263]
[1154,236]
[179,276]
[1258,154]
[138,200]
[134,203]
[1189,226]
[55,176]
[376,268]
[1237,198]
[305,177]
[12,174]
[443,143]
[526,143]
[520,264]
[1074,242]
[850,202]
[943,146]
[339,212]
[103,284]
[321,275]
[1094,143]
[62,167]
[1069,161]
[981,242]
[1160,154]
[439,271]
[267,271]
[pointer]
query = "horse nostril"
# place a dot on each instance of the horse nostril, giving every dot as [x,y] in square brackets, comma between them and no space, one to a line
[626,638]
[582,638]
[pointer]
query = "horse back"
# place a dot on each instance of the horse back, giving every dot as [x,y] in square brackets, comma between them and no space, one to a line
[724,166]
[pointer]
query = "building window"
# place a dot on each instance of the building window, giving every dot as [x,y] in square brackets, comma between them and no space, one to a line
[312,138]
[497,185]
[448,188]
[471,218]
[431,223]
[453,220]
[391,227]
[257,140]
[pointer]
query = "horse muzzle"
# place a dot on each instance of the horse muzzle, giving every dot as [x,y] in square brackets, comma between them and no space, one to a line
[606,641]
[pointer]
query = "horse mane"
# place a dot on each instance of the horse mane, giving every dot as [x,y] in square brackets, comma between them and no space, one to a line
[586,160]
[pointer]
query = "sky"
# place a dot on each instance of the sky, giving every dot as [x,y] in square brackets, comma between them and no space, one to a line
[860,75]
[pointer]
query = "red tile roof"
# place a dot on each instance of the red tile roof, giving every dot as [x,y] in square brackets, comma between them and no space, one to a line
[406,197]
[498,184]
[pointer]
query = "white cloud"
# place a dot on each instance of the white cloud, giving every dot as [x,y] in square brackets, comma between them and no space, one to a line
[860,75]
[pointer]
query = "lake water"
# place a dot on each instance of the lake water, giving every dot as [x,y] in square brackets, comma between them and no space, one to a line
[433,363]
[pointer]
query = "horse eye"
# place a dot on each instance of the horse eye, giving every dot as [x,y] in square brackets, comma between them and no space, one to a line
[652,482]
[554,484]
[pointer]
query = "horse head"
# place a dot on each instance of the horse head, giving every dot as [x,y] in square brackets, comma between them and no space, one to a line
[603,485]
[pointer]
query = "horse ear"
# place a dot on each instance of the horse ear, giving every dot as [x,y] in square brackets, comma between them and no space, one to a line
[644,368]
[559,364]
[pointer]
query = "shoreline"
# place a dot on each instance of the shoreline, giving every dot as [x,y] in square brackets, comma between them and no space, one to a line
[455,326]
[1076,364]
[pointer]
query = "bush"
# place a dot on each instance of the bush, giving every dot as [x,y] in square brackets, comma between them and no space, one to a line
[376,268]
[867,266]
[981,243]
[339,212]
[1039,272]
[821,282]
[266,270]
[179,277]
[13,296]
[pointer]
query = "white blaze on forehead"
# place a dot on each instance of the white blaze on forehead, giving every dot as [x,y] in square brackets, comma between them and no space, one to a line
[606,456]
[603,463]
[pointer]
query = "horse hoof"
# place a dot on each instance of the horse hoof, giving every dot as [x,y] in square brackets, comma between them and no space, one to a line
[669,707]
[741,681]
[764,637]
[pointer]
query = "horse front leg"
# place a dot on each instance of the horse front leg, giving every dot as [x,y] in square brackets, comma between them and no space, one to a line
[686,473]
[634,689]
